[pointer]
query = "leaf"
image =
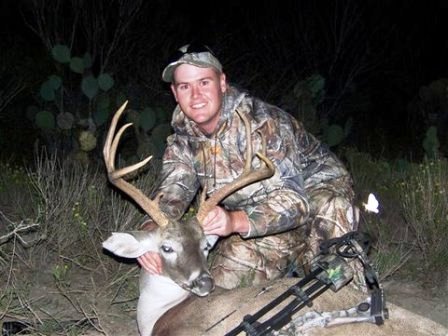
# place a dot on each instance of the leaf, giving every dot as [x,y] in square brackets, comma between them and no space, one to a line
[100,116]
[87,141]
[334,135]
[87,60]
[163,115]
[89,86]
[55,81]
[105,81]
[147,119]
[77,65]
[315,83]
[61,53]
[47,91]
[45,120]
[65,120]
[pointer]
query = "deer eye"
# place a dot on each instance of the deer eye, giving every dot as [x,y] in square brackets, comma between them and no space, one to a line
[167,249]
[207,247]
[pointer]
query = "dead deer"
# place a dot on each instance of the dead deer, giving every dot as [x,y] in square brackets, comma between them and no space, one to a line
[182,245]
[223,310]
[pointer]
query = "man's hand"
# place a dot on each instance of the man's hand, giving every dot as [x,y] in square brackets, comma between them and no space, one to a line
[151,262]
[223,223]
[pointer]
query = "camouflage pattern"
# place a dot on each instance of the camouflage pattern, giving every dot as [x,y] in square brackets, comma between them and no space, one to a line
[202,59]
[308,199]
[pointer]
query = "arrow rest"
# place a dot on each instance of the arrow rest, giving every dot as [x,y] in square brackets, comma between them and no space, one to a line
[330,269]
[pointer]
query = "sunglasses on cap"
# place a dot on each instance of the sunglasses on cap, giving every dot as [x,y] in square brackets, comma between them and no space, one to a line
[194,54]
[193,48]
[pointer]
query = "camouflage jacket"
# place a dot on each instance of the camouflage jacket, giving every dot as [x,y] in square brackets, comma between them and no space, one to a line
[193,160]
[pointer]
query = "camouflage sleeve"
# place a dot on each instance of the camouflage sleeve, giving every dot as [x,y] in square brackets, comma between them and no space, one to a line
[280,211]
[303,163]
[282,203]
[319,164]
[178,180]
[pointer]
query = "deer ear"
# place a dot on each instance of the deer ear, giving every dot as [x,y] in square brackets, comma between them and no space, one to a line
[126,245]
[149,225]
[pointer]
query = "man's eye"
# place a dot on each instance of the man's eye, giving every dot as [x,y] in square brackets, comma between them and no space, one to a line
[167,249]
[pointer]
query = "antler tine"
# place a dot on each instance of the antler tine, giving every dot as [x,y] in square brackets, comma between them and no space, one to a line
[248,176]
[116,176]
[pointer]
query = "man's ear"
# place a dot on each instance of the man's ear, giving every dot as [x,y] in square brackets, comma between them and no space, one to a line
[173,90]
[223,82]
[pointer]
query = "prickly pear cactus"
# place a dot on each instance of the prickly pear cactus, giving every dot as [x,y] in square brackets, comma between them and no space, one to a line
[49,88]
[105,82]
[61,53]
[431,109]
[89,86]
[431,143]
[308,94]
[45,120]
[75,103]
[65,120]
[147,119]
[77,65]
[76,106]
[87,141]
[152,130]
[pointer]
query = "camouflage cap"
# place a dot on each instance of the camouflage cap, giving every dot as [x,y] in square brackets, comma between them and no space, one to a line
[197,55]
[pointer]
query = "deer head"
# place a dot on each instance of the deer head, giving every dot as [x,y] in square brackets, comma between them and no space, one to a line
[182,245]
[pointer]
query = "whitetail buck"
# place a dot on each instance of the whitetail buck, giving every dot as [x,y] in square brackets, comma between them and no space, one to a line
[223,310]
[182,246]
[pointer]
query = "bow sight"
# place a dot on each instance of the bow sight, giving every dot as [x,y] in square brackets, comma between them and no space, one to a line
[330,269]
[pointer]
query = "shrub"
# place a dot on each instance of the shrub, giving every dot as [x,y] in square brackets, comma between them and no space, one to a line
[424,202]
[70,210]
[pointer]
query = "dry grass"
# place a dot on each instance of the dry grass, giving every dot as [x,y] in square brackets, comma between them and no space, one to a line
[412,225]
[54,216]
[424,201]
[50,249]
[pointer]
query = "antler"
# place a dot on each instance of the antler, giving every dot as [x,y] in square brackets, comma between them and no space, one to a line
[248,176]
[116,176]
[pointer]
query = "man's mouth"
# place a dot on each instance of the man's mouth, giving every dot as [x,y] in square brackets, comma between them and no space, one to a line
[198,106]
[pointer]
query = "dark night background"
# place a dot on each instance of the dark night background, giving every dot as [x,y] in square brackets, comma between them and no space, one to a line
[373,71]
[378,59]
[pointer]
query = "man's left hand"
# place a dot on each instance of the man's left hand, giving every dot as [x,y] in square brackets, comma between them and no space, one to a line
[222,222]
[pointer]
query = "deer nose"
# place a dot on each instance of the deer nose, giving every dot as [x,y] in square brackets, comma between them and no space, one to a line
[203,285]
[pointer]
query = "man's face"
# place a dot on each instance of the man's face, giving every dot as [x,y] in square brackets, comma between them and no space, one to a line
[199,93]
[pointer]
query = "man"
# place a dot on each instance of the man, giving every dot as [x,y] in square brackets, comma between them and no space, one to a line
[272,224]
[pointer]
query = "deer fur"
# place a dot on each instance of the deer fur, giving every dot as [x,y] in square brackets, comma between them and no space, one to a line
[223,310]
[183,259]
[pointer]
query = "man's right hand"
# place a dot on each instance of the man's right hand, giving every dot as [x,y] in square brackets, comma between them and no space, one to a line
[151,262]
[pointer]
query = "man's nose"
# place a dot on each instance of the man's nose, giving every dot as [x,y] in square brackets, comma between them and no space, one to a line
[195,91]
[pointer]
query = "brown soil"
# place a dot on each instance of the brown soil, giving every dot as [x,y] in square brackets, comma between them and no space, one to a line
[67,302]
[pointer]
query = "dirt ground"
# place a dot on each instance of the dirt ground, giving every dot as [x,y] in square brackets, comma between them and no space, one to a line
[46,301]
[429,302]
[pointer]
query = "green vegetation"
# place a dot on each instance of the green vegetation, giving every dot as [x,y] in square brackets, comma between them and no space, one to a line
[412,225]
[78,128]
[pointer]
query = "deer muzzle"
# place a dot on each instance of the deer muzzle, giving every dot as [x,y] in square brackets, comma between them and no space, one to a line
[202,285]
